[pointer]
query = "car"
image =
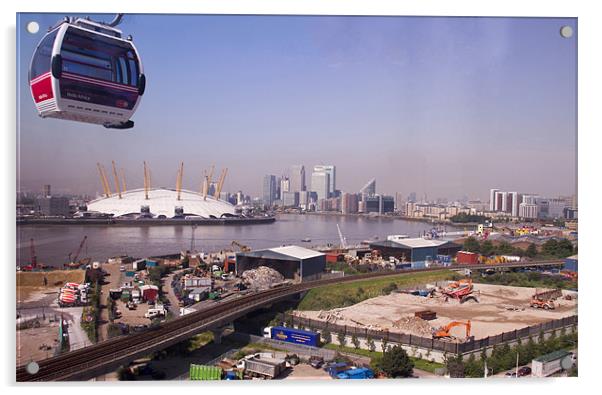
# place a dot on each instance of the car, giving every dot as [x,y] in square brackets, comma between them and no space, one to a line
[511,374]
[524,371]
[122,268]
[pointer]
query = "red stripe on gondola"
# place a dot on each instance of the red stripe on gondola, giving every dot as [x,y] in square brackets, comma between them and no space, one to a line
[41,89]
[40,77]
[99,82]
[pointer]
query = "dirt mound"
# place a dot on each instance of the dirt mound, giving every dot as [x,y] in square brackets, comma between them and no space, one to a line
[54,278]
[413,325]
[261,278]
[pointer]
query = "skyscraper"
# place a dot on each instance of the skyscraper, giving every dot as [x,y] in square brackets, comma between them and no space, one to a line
[269,189]
[320,184]
[285,186]
[492,199]
[332,176]
[370,188]
[297,179]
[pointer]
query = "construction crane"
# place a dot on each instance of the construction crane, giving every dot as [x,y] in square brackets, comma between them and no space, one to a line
[444,331]
[117,184]
[242,247]
[74,263]
[342,238]
[220,183]
[179,180]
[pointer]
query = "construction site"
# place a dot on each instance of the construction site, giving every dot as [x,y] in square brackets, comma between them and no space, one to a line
[455,311]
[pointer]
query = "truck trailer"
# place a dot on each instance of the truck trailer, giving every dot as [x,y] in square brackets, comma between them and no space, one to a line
[292,335]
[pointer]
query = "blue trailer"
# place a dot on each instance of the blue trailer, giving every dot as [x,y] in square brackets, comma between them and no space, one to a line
[292,335]
[359,373]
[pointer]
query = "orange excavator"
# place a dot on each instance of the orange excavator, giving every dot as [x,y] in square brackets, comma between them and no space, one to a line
[443,332]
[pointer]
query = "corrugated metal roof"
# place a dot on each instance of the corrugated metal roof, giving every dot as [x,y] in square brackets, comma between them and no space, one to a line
[553,356]
[412,243]
[283,253]
[297,252]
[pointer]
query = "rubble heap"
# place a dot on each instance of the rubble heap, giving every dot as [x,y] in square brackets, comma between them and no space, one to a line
[261,278]
[413,325]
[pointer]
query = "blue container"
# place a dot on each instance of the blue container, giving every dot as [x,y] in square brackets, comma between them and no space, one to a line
[359,373]
[151,263]
[570,264]
[130,274]
[335,368]
[296,336]
[418,265]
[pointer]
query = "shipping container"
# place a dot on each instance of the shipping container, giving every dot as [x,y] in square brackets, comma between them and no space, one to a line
[358,373]
[467,258]
[293,335]
[130,274]
[335,368]
[551,363]
[204,372]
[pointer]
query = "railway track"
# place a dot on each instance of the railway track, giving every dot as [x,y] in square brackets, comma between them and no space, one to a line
[111,352]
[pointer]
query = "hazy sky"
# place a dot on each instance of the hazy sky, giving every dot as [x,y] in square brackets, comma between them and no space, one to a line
[446,106]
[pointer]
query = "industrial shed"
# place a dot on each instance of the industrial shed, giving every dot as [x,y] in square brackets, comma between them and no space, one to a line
[293,262]
[415,250]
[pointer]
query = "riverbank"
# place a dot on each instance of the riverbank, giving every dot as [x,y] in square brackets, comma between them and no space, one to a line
[146,221]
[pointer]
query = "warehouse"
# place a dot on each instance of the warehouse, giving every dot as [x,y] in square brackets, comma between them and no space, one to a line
[416,250]
[293,262]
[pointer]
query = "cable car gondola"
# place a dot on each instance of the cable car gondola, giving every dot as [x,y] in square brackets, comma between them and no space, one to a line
[85,71]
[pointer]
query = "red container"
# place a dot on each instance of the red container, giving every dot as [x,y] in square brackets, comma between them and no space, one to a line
[467,258]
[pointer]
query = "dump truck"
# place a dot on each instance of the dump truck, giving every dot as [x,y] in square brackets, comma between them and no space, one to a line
[262,366]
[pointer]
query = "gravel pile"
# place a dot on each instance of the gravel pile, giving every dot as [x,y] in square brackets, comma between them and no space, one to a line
[414,325]
[261,278]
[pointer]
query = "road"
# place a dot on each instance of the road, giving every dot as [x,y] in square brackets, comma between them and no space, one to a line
[114,281]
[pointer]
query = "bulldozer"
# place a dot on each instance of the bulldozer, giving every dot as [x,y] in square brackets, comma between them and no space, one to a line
[443,333]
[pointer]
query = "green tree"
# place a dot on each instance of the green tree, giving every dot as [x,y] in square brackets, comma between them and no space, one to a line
[371,344]
[342,339]
[473,367]
[326,336]
[455,366]
[531,251]
[487,248]
[355,341]
[395,362]
[472,245]
[383,345]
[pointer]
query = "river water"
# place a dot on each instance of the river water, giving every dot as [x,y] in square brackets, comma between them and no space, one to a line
[54,243]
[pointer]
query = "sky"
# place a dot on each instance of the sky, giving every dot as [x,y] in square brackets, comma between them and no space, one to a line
[450,107]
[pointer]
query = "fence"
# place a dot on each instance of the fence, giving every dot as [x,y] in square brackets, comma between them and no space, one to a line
[430,343]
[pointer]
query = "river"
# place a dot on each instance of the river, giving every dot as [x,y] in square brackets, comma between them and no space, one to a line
[54,243]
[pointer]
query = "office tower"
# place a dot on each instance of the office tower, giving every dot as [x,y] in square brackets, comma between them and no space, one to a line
[331,171]
[284,186]
[269,189]
[492,199]
[46,192]
[513,203]
[297,179]
[370,188]
[320,184]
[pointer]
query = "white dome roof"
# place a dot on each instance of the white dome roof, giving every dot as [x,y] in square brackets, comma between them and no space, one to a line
[161,202]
